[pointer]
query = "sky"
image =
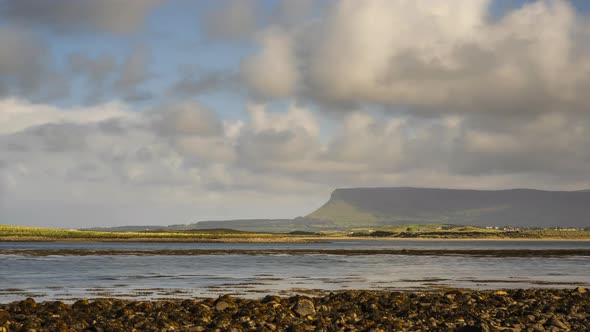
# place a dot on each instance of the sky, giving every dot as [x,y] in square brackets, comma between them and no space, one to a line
[170,112]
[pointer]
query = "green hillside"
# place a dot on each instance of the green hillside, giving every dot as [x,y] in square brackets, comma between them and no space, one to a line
[373,207]
[345,215]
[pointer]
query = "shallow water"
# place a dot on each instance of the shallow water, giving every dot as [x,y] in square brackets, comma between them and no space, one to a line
[181,276]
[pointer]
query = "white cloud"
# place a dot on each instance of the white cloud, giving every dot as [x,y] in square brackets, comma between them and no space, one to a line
[180,161]
[17,115]
[430,55]
[273,72]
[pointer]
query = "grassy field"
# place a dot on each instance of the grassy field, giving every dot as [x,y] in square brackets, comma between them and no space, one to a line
[409,231]
[444,231]
[8,232]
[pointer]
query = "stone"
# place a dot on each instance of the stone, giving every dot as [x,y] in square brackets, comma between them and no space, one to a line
[558,323]
[4,316]
[470,328]
[533,311]
[304,307]
[222,305]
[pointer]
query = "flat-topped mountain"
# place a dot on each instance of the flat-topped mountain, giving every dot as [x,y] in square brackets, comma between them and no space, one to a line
[375,207]
[359,207]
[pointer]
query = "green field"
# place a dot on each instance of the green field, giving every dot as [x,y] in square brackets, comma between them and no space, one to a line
[445,231]
[8,232]
[408,231]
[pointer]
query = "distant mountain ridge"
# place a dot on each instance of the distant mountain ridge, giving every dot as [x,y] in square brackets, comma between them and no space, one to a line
[386,206]
[513,207]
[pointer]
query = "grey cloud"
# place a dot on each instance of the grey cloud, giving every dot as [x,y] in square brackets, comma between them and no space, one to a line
[134,72]
[61,137]
[97,69]
[268,150]
[134,69]
[114,127]
[46,138]
[86,172]
[194,83]
[27,68]
[293,12]
[233,19]
[185,118]
[105,77]
[97,72]
[549,144]
[73,15]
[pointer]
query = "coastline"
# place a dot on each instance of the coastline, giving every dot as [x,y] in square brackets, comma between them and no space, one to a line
[300,252]
[278,239]
[355,310]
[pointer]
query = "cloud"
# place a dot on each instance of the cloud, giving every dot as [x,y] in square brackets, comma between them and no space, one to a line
[133,73]
[104,77]
[186,118]
[430,56]
[18,115]
[74,16]
[547,144]
[26,67]
[292,13]
[272,73]
[430,93]
[197,82]
[97,73]
[271,142]
[182,159]
[232,20]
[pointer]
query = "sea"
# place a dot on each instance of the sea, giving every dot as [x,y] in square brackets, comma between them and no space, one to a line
[153,275]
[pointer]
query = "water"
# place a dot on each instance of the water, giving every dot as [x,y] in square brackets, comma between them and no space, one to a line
[182,276]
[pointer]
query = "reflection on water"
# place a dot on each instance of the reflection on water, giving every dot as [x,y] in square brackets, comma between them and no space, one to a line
[155,276]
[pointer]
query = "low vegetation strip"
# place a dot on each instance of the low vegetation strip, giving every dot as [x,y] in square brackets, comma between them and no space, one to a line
[14,232]
[345,252]
[475,234]
[414,231]
[378,311]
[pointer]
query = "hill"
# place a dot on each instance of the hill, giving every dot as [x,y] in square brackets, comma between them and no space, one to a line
[367,207]
[263,225]
[357,208]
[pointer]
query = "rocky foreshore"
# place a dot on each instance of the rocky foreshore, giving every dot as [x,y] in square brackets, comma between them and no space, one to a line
[450,310]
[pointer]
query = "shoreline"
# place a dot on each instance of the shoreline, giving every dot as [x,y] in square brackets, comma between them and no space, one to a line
[358,310]
[277,239]
[265,252]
